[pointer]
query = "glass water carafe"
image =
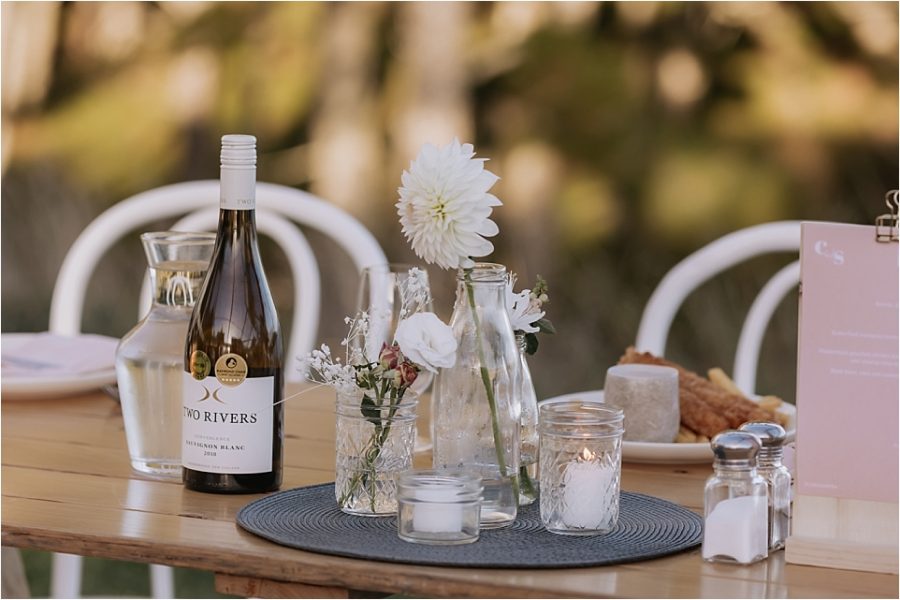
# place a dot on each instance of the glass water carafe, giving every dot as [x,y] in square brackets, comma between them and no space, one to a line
[150,358]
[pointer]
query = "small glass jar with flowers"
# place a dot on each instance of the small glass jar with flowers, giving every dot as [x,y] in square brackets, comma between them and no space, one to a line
[376,407]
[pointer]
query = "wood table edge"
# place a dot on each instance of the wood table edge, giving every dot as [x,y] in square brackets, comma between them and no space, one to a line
[307,569]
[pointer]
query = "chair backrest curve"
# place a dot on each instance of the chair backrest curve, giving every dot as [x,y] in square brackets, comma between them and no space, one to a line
[746,358]
[702,265]
[177,199]
[304,271]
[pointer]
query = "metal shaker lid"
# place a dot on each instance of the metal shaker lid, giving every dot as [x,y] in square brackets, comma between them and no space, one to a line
[771,435]
[735,445]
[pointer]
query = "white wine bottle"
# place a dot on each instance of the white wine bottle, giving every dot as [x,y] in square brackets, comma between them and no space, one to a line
[233,416]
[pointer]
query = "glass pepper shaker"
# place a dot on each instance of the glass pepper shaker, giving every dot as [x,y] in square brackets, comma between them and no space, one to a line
[735,502]
[770,467]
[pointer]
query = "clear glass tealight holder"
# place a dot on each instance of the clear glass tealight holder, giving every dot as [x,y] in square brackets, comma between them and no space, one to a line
[581,466]
[439,507]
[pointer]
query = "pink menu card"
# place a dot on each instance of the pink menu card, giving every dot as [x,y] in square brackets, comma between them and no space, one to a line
[847,369]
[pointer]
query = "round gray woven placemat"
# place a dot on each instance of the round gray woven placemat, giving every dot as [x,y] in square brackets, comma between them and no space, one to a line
[309,519]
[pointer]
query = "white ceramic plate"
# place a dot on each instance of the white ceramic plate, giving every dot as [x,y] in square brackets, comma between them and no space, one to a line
[30,386]
[649,452]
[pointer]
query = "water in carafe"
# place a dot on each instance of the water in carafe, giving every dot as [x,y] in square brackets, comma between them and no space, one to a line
[150,358]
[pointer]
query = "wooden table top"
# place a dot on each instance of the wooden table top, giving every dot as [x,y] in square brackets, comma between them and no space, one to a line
[67,486]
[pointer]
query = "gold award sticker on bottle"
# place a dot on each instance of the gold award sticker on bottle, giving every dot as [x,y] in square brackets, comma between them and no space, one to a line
[200,365]
[231,369]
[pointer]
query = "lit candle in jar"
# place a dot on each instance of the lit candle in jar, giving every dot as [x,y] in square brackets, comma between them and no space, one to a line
[435,509]
[581,453]
[586,483]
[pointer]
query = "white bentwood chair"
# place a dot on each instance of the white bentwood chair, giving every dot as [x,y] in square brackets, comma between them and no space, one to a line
[278,209]
[705,263]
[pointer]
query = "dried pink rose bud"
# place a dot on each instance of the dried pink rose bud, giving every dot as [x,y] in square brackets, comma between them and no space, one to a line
[408,372]
[390,357]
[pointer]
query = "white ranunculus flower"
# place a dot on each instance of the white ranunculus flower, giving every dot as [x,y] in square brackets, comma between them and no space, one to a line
[427,341]
[445,206]
[522,309]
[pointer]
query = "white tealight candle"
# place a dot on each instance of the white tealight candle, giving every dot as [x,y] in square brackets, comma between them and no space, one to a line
[435,510]
[586,482]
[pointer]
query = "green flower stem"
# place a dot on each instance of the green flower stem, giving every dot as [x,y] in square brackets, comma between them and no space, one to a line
[525,481]
[488,386]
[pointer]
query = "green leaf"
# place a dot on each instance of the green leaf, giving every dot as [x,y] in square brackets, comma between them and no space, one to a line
[370,410]
[531,343]
[545,325]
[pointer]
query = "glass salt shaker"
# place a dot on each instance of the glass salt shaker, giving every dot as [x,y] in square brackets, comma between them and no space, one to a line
[772,437]
[735,502]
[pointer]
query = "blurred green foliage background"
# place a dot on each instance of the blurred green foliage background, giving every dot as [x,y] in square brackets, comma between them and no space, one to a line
[626,135]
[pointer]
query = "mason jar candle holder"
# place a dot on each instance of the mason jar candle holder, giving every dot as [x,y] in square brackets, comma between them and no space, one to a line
[439,507]
[581,465]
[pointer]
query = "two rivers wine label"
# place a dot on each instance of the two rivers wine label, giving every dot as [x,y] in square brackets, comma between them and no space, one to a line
[227,419]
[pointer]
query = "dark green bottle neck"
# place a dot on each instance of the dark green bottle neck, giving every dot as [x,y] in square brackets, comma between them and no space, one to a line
[237,226]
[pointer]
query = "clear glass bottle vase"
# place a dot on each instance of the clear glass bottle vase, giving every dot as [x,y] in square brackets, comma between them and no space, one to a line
[150,357]
[528,430]
[476,407]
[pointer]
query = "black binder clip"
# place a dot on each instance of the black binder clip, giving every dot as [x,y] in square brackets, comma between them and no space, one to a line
[886,225]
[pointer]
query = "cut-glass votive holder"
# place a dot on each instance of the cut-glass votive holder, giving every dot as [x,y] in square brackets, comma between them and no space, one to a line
[581,466]
[439,507]
[374,443]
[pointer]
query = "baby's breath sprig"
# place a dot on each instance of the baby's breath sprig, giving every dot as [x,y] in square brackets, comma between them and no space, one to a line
[381,378]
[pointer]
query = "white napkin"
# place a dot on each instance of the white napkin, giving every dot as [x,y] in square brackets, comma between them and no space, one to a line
[52,355]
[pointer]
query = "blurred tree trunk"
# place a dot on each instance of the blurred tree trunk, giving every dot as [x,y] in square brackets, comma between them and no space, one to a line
[347,151]
[431,95]
[429,99]
[29,40]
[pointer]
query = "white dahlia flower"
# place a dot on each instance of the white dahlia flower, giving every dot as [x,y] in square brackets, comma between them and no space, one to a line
[445,206]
